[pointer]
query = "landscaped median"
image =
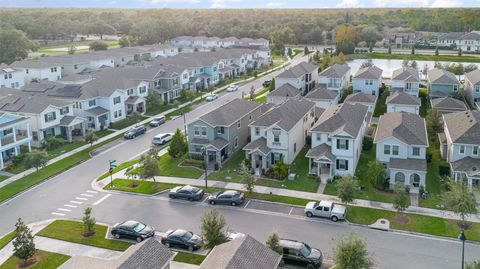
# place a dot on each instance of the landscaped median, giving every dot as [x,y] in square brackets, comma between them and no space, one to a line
[6,239]
[44,260]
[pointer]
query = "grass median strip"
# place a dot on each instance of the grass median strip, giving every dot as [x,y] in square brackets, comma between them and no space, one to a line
[138,186]
[119,168]
[6,239]
[49,171]
[72,231]
[190,258]
[44,260]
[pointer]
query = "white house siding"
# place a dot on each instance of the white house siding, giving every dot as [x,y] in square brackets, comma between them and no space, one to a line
[401,84]
[472,92]
[42,74]
[404,151]
[295,82]
[341,82]
[400,108]
[325,103]
[359,86]
[408,175]
[16,81]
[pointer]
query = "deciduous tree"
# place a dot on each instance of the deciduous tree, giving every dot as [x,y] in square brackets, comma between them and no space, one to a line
[14,46]
[459,199]
[90,137]
[36,159]
[351,253]
[401,200]
[213,228]
[98,45]
[376,174]
[346,187]
[273,242]
[178,145]
[150,167]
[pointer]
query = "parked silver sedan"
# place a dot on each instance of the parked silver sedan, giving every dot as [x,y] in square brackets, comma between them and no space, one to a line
[228,197]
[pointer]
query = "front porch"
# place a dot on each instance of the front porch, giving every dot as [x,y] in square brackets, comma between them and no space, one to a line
[410,172]
[135,104]
[259,155]
[321,162]
[98,118]
[212,152]
[72,128]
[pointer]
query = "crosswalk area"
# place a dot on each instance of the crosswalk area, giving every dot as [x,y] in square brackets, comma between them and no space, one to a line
[80,200]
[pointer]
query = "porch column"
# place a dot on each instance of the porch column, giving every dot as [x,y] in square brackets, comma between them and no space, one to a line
[16,150]
[318,170]
[470,182]
[219,158]
[69,134]
[29,146]
[309,165]
[1,160]
[14,130]
[83,128]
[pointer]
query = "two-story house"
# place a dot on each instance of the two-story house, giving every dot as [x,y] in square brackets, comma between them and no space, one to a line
[282,94]
[460,145]
[401,101]
[441,83]
[36,70]
[471,87]
[401,143]
[302,76]
[323,97]
[368,80]
[14,137]
[11,77]
[447,104]
[367,100]
[337,141]
[218,134]
[407,80]
[279,134]
[336,77]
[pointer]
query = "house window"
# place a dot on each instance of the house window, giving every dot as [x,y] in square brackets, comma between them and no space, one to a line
[455,88]
[342,164]
[319,137]
[91,103]
[368,82]
[462,149]
[221,130]
[129,91]
[196,131]
[235,142]
[477,88]
[120,113]
[143,89]
[116,100]
[75,67]
[239,124]
[204,131]
[294,147]
[51,116]
[64,110]
[416,151]
[250,117]
[115,115]
[386,149]
[26,71]
[7,132]
[34,135]
[395,150]
[276,136]
[475,150]
[257,130]
[342,144]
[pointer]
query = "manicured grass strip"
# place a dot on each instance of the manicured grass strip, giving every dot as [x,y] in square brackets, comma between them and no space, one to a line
[190,258]
[423,92]
[169,167]
[128,121]
[182,110]
[48,171]
[414,223]
[381,106]
[65,148]
[45,260]
[6,239]
[277,198]
[146,187]
[71,231]
[445,58]
[262,99]
[119,168]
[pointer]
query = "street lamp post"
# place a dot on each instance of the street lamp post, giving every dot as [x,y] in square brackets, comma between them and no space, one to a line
[204,153]
[463,238]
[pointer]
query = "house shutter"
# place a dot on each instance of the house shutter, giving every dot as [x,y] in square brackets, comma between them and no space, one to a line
[54,115]
[346,164]
[336,164]
[45,116]
[338,143]
[346,144]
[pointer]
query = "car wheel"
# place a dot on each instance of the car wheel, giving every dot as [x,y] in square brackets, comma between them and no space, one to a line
[309,214]
[190,199]
[139,239]
[167,244]
[171,196]
[212,202]
[334,218]
[310,266]
[190,248]
[116,235]
[233,204]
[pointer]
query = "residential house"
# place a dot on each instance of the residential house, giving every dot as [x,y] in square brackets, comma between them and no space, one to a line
[336,77]
[221,132]
[401,101]
[460,144]
[449,39]
[14,137]
[459,40]
[279,134]
[401,144]
[149,254]
[441,83]
[401,40]
[282,94]
[407,80]
[11,77]
[337,141]
[216,42]
[471,86]
[323,97]
[367,100]
[368,80]
[36,70]
[302,76]
[447,105]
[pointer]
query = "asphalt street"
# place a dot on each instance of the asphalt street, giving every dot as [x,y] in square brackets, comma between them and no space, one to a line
[73,188]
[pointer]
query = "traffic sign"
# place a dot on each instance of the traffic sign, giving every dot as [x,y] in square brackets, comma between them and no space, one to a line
[113,163]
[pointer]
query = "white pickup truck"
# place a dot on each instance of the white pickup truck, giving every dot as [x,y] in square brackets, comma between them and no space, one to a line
[326,209]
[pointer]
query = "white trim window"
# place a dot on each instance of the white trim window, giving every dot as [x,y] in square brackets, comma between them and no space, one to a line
[475,150]
[235,142]
[415,151]
[196,130]
[386,149]
[461,150]
[395,150]
[204,131]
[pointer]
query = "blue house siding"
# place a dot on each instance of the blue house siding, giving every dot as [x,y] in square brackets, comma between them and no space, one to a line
[447,89]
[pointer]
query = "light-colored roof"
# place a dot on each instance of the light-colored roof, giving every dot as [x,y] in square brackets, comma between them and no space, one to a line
[407,127]
[345,117]
[285,115]
[408,164]
[463,127]
[14,100]
[230,112]
[448,103]
[441,76]
[285,90]
[361,97]
[473,76]
[335,71]
[469,165]
[370,72]
[298,70]
[401,98]
[258,144]
[406,73]
[320,92]
[241,253]
[322,151]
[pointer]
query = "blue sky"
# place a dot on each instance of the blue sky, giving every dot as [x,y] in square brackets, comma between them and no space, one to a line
[237,3]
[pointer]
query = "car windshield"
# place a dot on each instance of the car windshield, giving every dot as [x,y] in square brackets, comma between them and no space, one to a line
[187,236]
[139,227]
[305,250]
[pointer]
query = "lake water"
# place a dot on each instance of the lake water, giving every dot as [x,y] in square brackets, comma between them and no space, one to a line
[389,65]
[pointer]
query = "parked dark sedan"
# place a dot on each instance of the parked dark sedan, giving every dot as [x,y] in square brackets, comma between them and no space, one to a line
[228,197]
[186,192]
[183,239]
[132,230]
[266,83]
[134,132]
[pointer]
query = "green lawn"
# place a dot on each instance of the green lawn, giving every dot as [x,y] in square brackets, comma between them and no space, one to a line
[434,187]
[442,58]
[65,148]
[145,187]
[187,257]
[118,168]
[381,106]
[368,192]
[416,223]
[128,121]
[6,239]
[48,171]
[169,167]
[424,99]
[183,110]
[2,178]
[71,231]
[159,109]
[47,52]
[103,133]
[262,99]
[45,260]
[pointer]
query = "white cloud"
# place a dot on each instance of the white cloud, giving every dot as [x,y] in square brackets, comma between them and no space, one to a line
[446,3]
[349,3]
[274,4]
[401,3]
[154,2]
[221,3]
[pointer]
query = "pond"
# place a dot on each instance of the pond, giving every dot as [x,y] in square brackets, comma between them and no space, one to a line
[388,65]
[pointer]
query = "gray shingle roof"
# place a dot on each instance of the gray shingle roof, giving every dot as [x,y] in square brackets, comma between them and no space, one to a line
[298,70]
[370,72]
[344,117]
[14,100]
[448,103]
[241,253]
[361,97]
[285,115]
[407,127]
[285,90]
[97,111]
[149,254]
[473,76]
[451,36]
[469,165]
[440,76]
[321,151]
[470,36]
[406,73]
[401,98]
[219,143]
[258,144]
[463,127]
[230,112]
[33,64]
[408,164]
[335,71]
[320,92]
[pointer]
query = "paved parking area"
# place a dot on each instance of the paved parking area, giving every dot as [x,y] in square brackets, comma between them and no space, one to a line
[274,207]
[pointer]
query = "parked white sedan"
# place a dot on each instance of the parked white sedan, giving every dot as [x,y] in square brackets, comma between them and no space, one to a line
[232,88]
[211,97]
[162,139]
